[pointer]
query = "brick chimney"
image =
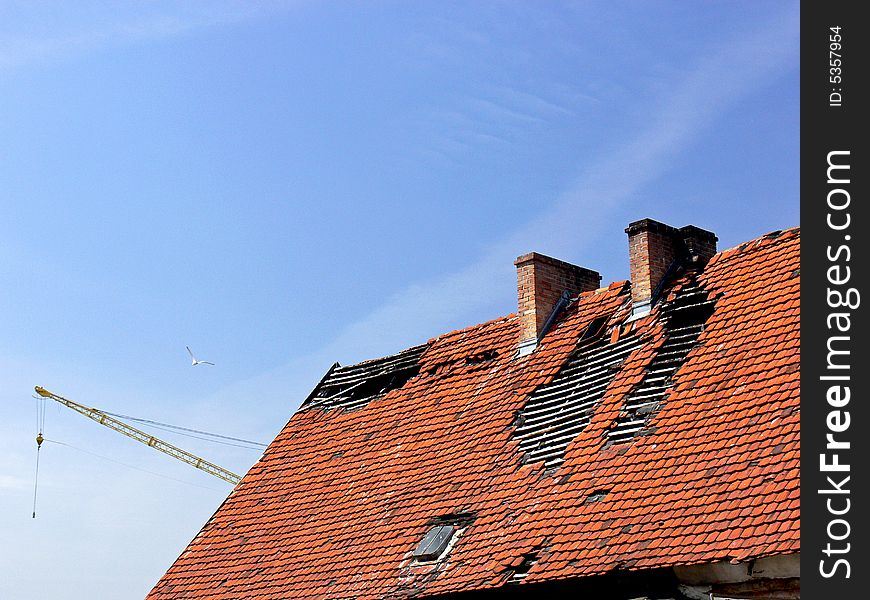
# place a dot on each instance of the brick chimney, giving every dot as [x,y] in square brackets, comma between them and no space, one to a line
[655,250]
[543,286]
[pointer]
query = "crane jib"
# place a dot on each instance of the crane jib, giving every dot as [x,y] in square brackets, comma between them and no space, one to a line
[145,438]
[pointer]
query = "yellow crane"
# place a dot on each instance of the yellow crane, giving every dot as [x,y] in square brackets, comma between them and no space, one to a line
[140,436]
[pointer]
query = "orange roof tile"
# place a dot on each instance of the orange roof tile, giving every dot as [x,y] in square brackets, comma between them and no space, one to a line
[341,498]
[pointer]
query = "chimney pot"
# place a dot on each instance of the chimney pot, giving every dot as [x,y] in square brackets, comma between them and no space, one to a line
[700,243]
[654,249]
[541,283]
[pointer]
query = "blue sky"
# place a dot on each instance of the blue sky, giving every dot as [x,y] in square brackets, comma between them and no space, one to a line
[291,184]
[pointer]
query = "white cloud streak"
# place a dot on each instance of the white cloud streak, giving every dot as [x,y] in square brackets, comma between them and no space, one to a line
[12,483]
[425,309]
[46,33]
[693,101]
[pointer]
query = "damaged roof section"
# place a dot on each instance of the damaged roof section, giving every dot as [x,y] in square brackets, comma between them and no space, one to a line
[342,499]
[354,386]
[558,411]
[684,316]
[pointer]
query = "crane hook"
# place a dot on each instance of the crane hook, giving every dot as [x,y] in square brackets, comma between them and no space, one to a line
[39,440]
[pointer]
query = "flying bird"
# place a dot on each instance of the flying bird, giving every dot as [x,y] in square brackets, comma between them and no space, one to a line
[195,362]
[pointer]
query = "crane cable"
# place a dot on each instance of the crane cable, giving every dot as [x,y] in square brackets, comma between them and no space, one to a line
[129,466]
[40,425]
[186,431]
[178,429]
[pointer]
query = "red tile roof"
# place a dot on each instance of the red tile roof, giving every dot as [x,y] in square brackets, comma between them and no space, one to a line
[341,498]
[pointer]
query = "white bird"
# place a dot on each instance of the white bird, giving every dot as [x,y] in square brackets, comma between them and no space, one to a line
[195,362]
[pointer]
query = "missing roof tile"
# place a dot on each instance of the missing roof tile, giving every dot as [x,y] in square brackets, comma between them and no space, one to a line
[353,387]
[596,496]
[518,573]
[684,318]
[459,519]
[595,328]
[558,411]
[481,357]
[476,359]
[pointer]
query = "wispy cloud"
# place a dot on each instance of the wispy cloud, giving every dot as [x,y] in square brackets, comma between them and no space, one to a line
[694,102]
[11,483]
[487,109]
[536,103]
[39,33]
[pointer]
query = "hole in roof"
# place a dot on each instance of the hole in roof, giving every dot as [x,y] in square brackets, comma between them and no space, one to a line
[354,386]
[476,359]
[595,328]
[480,357]
[684,317]
[558,411]
[596,496]
[460,519]
[521,571]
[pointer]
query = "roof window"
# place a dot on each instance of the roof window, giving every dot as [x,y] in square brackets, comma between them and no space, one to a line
[440,539]
[435,543]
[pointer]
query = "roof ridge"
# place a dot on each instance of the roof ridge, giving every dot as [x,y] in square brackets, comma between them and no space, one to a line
[461,330]
[772,237]
[776,236]
[379,358]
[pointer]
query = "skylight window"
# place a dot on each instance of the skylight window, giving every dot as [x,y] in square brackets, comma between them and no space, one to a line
[434,543]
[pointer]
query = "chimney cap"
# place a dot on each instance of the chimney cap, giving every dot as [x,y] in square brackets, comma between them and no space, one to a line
[698,233]
[659,227]
[649,225]
[537,257]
